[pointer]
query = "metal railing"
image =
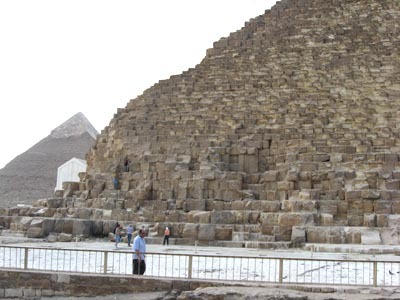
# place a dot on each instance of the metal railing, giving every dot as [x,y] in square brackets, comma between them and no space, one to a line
[207,267]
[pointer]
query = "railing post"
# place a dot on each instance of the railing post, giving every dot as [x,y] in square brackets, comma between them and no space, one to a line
[105,262]
[281,270]
[375,270]
[26,258]
[190,266]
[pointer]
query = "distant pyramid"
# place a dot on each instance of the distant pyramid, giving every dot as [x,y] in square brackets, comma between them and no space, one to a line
[32,175]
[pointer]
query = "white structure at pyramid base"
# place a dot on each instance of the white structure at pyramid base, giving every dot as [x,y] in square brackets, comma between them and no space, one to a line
[69,171]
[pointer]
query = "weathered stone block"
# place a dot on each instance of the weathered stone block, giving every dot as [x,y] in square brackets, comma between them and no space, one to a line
[35,232]
[195,204]
[190,231]
[206,232]
[295,219]
[269,219]
[223,232]
[382,207]
[223,217]
[270,206]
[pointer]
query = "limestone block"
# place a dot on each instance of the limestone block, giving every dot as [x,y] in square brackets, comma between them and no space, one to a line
[156,216]
[97,228]
[70,185]
[392,184]
[272,195]
[63,226]
[108,226]
[382,220]
[305,195]
[65,237]
[195,204]
[190,231]
[295,219]
[355,220]
[285,185]
[298,236]
[13,293]
[326,219]
[329,206]
[293,206]
[369,220]
[267,230]
[368,206]
[202,217]
[292,175]
[353,235]
[335,236]
[83,213]
[270,206]
[353,195]
[206,232]
[222,217]
[269,219]
[283,233]
[382,207]
[269,176]
[355,206]
[54,202]
[176,216]
[238,205]
[342,207]
[370,194]
[231,195]
[395,195]
[35,232]
[179,204]
[396,207]
[319,234]
[212,204]
[240,236]
[370,237]
[82,228]
[223,232]
[25,223]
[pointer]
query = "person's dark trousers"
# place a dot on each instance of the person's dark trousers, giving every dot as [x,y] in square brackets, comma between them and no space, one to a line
[139,270]
[129,239]
[166,239]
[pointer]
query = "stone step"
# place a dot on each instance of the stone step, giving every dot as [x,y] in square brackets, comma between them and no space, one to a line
[252,244]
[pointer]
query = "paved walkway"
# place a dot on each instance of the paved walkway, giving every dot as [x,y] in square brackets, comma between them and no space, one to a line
[321,251]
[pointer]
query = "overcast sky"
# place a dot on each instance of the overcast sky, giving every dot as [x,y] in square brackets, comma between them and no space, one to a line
[58,58]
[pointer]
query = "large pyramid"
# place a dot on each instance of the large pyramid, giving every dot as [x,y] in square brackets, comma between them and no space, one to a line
[287,132]
[289,128]
[32,175]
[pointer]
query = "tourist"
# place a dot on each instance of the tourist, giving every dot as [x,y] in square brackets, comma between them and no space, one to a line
[166,236]
[115,182]
[118,233]
[129,232]
[144,230]
[139,251]
[126,164]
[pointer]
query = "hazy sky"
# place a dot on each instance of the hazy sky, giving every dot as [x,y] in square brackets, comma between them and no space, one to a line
[58,58]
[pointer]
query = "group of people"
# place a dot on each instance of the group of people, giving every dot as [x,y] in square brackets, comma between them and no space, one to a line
[139,245]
